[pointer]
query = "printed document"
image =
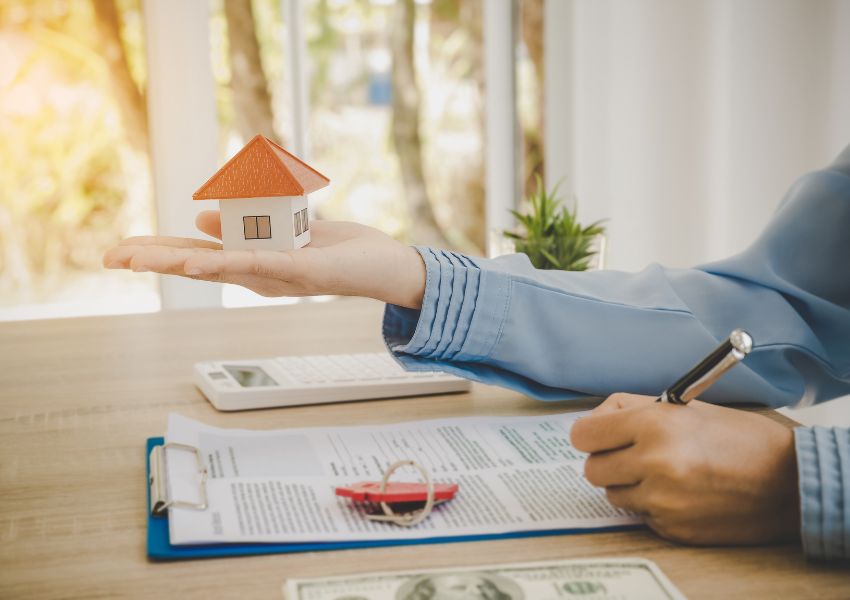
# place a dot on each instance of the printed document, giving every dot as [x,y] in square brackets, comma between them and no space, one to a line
[514,474]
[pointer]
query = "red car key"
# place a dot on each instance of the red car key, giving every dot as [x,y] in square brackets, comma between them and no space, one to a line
[370,491]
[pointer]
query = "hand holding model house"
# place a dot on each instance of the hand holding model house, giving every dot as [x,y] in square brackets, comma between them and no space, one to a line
[270,246]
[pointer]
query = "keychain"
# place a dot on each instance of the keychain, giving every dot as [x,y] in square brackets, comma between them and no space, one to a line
[407,498]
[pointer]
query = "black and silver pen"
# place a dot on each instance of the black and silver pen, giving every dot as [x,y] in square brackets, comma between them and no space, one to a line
[710,369]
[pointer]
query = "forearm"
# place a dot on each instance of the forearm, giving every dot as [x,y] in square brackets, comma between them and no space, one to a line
[398,279]
[369,264]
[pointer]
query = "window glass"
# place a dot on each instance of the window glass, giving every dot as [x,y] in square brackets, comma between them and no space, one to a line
[251,98]
[264,228]
[397,116]
[396,111]
[75,175]
[296,218]
[250,226]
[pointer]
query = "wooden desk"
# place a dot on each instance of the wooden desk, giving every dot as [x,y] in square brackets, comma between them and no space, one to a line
[78,397]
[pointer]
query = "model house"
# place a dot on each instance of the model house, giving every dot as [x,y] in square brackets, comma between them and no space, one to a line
[262,192]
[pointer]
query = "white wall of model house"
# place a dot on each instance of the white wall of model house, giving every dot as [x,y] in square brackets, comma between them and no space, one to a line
[283,212]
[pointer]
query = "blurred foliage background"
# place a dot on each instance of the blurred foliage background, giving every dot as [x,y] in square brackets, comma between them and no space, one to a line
[396,120]
[74,174]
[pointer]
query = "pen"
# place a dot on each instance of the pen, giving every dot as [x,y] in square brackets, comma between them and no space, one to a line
[710,369]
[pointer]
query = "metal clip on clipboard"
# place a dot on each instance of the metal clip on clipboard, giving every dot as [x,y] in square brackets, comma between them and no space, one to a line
[158,480]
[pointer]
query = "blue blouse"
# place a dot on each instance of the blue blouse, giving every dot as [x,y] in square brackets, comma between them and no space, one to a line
[557,335]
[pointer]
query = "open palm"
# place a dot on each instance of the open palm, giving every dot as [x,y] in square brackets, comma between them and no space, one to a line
[342,258]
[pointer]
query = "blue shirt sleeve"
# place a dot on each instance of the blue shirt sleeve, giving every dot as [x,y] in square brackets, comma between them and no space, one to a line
[558,335]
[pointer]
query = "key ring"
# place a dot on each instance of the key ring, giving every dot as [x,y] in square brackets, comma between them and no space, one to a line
[412,518]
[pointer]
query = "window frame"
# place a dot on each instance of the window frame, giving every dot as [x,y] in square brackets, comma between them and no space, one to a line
[182,122]
[502,159]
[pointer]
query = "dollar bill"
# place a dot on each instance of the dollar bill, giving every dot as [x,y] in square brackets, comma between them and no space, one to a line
[592,579]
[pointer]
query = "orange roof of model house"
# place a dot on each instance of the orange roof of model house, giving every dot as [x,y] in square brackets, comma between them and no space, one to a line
[260,169]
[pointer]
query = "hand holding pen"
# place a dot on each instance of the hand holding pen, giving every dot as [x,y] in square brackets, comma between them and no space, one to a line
[705,475]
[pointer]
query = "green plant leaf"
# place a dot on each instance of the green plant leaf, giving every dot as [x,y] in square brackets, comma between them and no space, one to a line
[550,233]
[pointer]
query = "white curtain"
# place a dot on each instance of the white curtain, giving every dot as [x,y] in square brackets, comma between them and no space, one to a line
[688,120]
[691,118]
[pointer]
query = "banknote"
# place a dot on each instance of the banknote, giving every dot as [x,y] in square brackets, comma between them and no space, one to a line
[590,579]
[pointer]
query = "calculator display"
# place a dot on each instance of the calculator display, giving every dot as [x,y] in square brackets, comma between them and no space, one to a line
[249,376]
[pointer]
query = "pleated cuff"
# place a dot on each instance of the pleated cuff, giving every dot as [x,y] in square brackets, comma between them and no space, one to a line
[462,311]
[823,460]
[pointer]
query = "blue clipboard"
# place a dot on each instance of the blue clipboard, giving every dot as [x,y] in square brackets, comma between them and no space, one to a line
[160,548]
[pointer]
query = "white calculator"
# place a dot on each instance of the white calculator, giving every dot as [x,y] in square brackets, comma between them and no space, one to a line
[296,380]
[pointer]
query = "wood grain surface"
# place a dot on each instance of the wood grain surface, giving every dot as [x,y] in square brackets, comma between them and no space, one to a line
[78,398]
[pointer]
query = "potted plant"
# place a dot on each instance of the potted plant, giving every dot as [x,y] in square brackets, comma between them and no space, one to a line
[551,236]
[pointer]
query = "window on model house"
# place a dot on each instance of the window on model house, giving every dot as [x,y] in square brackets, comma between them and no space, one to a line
[300,222]
[257,228]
